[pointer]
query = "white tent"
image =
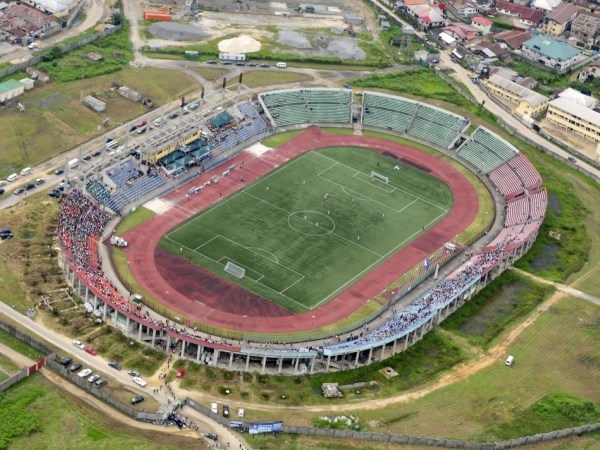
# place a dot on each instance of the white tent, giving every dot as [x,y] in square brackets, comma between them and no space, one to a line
[547,5]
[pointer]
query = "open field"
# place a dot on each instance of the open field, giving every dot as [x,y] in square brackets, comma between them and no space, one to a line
[260,78]
[312,227]
[37,414]
[55,119]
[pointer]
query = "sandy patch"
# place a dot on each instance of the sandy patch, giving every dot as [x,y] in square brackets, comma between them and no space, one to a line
[240,44]
[158,205]
[258,149]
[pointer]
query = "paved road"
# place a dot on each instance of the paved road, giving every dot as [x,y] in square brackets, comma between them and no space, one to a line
[99,364]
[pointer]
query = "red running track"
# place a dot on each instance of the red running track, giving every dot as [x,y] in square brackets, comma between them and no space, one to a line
[201,296]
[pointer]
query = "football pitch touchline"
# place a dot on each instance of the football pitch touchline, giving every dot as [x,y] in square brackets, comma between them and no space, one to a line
[332,233]
[351,280]
[258,282]
[395,187]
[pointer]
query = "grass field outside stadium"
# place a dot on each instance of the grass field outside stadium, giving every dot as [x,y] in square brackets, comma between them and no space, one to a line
[309,229]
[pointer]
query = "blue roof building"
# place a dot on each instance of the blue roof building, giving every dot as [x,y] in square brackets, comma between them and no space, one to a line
[550,52]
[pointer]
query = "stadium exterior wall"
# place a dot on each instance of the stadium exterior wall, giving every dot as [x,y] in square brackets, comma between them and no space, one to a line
[280,361]
[242,356]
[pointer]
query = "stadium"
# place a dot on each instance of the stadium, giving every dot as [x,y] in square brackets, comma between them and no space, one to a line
[331,251]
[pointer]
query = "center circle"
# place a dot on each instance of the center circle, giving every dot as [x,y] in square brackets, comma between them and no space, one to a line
[311,223]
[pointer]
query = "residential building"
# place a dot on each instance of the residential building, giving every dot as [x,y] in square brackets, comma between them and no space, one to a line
[427,16]
[586,28]
[462,32]
[574,112]
[482,24]
[489,50]
[527,16]
[526,102]
[465,8]
[546,5]
[590,72]
[512,39]
[559,18]
[550,52]
[584,5]
[10,89]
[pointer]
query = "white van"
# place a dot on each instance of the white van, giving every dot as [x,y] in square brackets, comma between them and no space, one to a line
[158,122]
[26,171]
[204,134]
[12,177]
[509,360]
[281,65]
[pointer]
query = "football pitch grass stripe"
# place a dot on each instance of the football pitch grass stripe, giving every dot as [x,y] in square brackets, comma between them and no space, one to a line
[353,273]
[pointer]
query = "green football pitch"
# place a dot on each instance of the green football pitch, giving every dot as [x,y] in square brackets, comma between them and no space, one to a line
[306,231]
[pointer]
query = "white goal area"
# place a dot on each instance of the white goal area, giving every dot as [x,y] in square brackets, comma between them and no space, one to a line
[378,176]
[235,270]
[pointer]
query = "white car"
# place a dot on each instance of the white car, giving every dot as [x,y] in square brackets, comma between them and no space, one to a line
[78,344]
[214,408]
[139,381]
[93,378]
[84,373]
[241,412]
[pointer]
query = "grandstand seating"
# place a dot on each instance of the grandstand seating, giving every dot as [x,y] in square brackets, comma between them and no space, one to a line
[125,171]
[304,106]
[517,211]
[437,126]
[486,150]
[525,170]
[508,182]
[388,112]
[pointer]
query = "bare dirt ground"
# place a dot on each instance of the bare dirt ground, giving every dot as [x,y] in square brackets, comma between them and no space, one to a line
[15,356]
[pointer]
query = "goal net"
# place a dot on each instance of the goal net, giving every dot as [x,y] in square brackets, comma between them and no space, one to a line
[235,270]
[378,176]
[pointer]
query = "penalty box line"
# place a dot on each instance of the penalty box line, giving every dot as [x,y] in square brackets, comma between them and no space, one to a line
[389,184]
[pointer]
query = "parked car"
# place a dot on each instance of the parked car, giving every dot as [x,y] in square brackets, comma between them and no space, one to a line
[240,63]
[136,400]
[5,233]
[97,153]
[194,106]
[142,130]
[264,66]
[226,63]
[78,344]
[214,408]
[75,367]
[39,181]
[59,171]
[30,186]
[241,412]
[115,365]
[347,86]
[139,381]
[2,191]
[84,373]
[211,61]
[100,382]
[54,193]
[134,373]
[91,350]
[225,411]
[65,362]
[213,436]
[132,128]
[251,64]
[87,157]
[19,191]
[93,378]
[174,115]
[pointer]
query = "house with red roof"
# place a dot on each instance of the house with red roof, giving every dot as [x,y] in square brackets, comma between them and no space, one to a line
[482,24]
[527,16]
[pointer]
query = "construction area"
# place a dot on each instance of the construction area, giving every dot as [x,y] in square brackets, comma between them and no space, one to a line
[327,29]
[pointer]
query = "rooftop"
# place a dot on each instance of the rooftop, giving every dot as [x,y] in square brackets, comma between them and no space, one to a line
[513,39]
[551,48]
[481,21]
[10,85]
[525,13]
[547,5]
[563,13]
[577,97]
[531,97]
[575,109]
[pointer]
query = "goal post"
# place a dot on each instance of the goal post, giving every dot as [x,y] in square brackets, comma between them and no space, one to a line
[378,176]
[235,270]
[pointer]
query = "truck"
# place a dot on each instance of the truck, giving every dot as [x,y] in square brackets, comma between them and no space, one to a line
[73,163]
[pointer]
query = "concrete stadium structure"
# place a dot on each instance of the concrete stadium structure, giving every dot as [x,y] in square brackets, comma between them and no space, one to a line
[511,179]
